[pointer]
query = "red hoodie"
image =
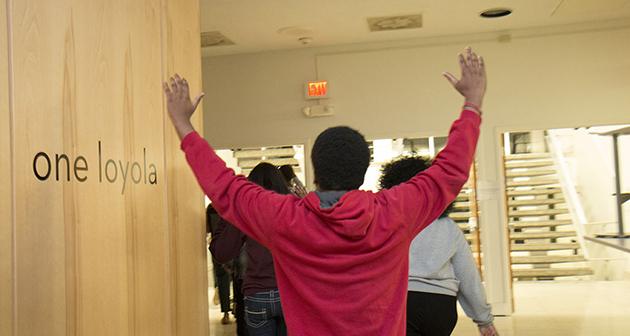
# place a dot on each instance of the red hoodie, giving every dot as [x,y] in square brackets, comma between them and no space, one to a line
[341,270]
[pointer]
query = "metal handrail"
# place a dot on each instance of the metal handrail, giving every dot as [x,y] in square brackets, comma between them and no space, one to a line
[573,200]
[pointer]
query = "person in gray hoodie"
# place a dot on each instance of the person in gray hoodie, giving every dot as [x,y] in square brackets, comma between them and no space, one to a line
[441,269]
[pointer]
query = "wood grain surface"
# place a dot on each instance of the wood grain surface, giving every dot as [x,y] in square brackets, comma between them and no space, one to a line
[116,247]
[6,222]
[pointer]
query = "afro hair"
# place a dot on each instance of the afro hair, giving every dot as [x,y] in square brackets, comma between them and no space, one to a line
[340,158]
[402,170]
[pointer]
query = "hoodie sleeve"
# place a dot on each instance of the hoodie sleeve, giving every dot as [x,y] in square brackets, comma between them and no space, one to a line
[249,207]
[423,198]
[471,295]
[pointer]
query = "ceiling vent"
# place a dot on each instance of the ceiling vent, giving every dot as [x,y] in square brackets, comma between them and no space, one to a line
[386,23]
[214,39]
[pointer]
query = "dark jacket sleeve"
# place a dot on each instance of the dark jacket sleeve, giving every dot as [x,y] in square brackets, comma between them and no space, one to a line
[226,242]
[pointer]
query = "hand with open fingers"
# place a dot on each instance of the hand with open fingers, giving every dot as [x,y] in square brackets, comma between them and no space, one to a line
[180,106]
[488,330]
[472,84]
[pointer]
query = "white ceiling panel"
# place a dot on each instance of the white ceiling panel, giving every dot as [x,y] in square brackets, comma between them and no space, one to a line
[253,24]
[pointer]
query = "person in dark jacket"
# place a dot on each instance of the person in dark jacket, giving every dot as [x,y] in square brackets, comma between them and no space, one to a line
[220,269]
[263,311]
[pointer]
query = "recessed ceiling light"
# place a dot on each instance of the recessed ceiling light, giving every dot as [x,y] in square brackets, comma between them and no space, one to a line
[495,13]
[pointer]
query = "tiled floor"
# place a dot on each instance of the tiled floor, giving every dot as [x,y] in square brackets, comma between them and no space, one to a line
[564,308]
[560,308]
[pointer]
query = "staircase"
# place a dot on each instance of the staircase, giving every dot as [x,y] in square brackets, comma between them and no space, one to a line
[248,158]
[543,240]
[464,213]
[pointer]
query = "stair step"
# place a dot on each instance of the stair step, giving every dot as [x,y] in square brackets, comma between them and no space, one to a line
[529,164]
[248,164]
[527,156]
[548,259]
[551,272]
[461,205]
[534,224]
[543,201]
[545,212]
[529,172]
[533,182]
[541,235]
[470,237]
[534,192]
[259,153]
[545,247]
[464,226]
[463,197]
[459,215]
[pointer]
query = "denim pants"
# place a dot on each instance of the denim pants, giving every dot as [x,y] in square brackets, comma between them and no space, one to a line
[263,314]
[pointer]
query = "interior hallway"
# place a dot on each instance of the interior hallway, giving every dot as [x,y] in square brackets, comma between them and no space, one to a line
[564,308]
[542,308]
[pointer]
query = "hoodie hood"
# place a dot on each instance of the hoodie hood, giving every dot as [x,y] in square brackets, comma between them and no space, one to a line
[350,217]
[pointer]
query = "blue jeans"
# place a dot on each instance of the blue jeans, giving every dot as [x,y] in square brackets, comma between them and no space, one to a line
[263,314]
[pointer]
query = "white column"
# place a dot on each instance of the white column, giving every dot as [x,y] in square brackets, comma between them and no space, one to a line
[492,221]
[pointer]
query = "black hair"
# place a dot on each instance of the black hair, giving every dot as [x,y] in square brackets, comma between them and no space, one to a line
[287,172]
[402,170]
[269,177]
[340,159]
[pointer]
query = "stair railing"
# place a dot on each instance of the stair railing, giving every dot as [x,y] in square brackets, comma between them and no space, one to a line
[567,184]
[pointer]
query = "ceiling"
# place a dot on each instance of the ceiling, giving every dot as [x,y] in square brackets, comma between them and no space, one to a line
[253,24]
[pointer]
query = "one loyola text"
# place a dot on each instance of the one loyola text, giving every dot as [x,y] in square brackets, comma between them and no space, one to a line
[110,170]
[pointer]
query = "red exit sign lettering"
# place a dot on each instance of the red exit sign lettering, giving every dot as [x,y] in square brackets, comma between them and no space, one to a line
[317,90]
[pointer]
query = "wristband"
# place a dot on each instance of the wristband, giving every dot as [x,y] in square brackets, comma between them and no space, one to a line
[473,106]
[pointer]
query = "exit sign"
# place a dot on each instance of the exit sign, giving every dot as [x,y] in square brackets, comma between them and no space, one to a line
[317,90]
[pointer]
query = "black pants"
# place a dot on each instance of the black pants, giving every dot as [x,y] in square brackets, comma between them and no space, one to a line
[430,314]
[223,279]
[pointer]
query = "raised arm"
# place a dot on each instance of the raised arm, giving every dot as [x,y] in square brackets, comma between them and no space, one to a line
[246,205]
[423,198]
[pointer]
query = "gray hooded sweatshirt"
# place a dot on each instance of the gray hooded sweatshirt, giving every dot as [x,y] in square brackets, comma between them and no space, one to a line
[440,262]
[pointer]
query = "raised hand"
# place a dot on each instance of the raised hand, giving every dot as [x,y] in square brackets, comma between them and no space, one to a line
[472,84]
[180,107]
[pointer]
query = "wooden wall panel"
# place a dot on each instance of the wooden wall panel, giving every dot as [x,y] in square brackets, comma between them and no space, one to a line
[94,256]
[39,207]
[182,54]
[6,229]
[149,221]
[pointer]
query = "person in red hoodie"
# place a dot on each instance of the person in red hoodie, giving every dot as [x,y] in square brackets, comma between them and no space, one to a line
[341,255]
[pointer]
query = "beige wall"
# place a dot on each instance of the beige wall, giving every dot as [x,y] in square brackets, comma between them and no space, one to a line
[591,159]
[541,78]
[95,257]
